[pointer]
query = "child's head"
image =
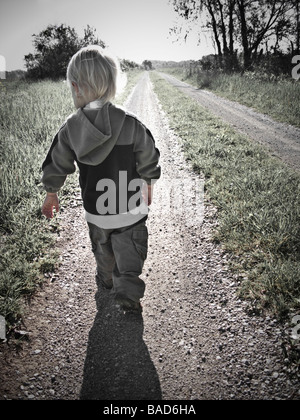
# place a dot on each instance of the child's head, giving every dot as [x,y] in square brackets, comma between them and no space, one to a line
[92,75]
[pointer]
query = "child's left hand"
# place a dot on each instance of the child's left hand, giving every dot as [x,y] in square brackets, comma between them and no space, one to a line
[51,201]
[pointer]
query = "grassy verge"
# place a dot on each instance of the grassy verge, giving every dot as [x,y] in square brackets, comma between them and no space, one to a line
[278,98]
[30,114]
[257,197]
[132,79]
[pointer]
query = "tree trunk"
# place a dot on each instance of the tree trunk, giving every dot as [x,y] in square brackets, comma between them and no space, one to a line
[244,34]
[223,30]
[231,27]
[298,27]
[215,28]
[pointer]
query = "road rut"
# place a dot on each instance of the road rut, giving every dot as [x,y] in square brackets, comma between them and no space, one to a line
[281,140]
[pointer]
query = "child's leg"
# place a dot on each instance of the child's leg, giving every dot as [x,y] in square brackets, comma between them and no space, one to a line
[130,251]
[102,249]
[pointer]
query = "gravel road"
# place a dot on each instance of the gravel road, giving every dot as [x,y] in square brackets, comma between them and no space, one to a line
[195,339]
[281,140]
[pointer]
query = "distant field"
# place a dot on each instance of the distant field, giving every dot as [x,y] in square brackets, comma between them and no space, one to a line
[278,98]
[30,115]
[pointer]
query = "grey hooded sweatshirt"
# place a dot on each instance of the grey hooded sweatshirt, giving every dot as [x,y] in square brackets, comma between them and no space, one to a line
[115,154]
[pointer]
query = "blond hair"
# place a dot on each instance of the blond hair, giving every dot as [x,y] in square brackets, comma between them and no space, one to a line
[94,73]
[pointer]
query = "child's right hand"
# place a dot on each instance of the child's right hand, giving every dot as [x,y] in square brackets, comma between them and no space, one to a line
[51,201]
[147,193]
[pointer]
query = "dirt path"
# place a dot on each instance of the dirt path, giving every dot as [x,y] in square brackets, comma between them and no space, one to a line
[194,339]
[281,140]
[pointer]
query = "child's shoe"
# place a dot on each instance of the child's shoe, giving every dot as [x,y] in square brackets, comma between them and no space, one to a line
[129,305]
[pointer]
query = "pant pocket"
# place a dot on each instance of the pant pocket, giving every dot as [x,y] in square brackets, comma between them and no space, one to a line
[140,240]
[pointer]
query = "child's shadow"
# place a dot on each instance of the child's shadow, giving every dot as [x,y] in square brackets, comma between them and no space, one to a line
[118,364]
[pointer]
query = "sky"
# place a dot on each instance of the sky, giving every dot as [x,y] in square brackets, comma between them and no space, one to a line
[137,30]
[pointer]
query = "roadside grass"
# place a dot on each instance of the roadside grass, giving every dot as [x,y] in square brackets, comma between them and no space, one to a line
[258,201]
[132,79]
[30,115]
[277,97]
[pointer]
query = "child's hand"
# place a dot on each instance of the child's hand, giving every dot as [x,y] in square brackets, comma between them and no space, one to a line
[147,193]
[51,201]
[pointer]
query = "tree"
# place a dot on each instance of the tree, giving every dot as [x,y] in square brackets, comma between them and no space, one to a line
[147,65]
[261,21]
[212,15]
[127,65]
[54,48]
[295,28]
[244,24]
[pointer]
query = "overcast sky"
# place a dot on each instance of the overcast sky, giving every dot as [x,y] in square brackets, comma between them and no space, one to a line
[133,29]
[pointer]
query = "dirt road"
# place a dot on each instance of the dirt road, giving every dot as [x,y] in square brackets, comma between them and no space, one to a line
[281,140]
[194,339]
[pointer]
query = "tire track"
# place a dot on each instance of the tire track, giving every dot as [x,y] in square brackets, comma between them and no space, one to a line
[281,140]
[200,338]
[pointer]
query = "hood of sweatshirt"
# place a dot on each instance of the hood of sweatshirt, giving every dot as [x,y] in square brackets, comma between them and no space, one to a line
[94,132]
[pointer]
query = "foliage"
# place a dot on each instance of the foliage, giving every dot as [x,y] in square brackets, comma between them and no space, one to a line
[127,65]
[147,64]
[54,48]
[242,24]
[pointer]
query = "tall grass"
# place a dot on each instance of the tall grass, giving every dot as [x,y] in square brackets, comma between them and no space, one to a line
[276,97]
[258,200]
[30,114]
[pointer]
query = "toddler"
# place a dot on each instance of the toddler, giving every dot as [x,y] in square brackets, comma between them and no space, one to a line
[118,165]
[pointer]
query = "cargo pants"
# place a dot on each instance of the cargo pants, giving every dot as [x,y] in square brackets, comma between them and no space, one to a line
[120,255]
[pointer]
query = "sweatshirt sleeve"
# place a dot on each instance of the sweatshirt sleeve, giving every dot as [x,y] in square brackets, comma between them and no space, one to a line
[147,155]
[58,164]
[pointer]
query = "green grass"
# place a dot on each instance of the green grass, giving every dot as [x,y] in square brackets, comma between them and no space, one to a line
[258,201]
[30,115]
[278,98]
[132,79]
